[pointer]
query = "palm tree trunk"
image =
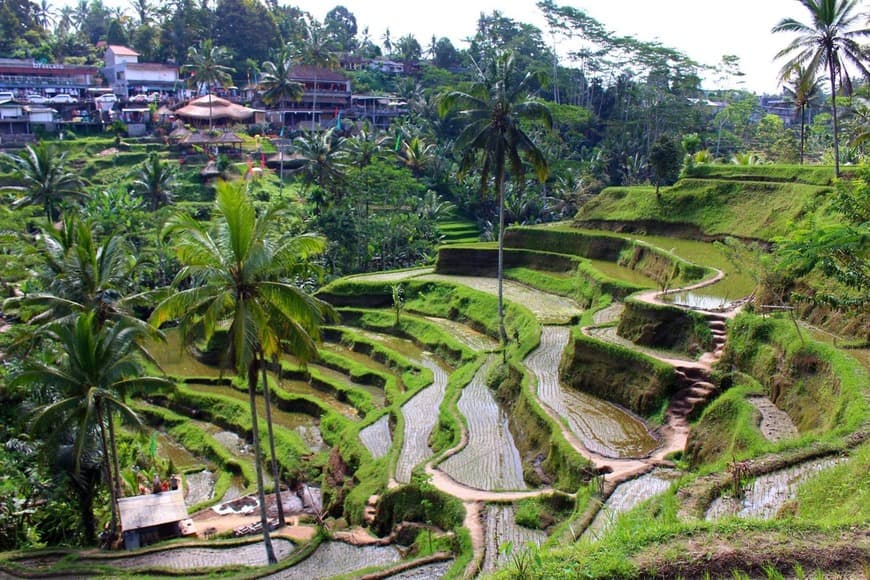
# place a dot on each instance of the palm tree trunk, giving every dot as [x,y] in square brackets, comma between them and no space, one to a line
[276,475]
[258,462]
[113,448]
[113,526]
[209,111]
[832,71]
[502,333]
[803,130]
[314,101]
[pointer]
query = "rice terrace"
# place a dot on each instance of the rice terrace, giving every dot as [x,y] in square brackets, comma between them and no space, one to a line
[325,305]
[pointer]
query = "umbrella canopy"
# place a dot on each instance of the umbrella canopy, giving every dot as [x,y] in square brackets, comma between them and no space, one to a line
[199,108]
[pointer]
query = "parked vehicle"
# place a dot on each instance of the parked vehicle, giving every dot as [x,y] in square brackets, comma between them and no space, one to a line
[35,99]
[107,98]
[6,96]
[62,99]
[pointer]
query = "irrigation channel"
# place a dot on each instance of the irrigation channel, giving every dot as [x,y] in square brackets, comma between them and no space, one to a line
[484,470]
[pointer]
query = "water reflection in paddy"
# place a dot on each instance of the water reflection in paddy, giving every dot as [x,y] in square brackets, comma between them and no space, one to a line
[603,427]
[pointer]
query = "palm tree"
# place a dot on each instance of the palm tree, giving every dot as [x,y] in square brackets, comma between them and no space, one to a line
[829,43]
[96,369]
[45,14]
[316,51]
[235,268]
[415,153]
[364,146]
[323,159]
[206,67]
[85,275]
[276,81]
[804,88]
[492,110]
[45,179]
[155,181]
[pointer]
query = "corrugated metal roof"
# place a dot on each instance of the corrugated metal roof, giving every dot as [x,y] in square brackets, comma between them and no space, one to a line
[153,509]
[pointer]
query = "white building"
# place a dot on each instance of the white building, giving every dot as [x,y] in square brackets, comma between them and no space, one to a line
[127,76]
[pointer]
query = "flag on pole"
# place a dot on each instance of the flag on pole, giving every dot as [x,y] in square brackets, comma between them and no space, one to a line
[398,139]
[338,121]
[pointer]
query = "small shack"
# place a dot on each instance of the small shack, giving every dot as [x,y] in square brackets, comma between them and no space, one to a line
[153,517]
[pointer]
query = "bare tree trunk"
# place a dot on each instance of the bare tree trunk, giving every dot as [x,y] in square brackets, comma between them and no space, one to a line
[258,462]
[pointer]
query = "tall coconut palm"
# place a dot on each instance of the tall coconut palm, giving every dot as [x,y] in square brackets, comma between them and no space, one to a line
[234,269]
[97,367]
[277,83]
[494,139]
[830,42]
[205,64]
[316,51]
[804,88]
[44,179]
[155,181]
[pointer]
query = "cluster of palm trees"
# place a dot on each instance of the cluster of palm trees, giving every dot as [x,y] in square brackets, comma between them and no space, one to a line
[237,274]
[829,43]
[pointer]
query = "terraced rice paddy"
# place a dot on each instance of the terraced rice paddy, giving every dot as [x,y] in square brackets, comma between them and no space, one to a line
[377,438]
[187,558]
[608,334]
[501,529]
[376,393]
[490,460]
[466,335]
[290,421]
[395,276]
[626,497]
[176,361]
[427,572]
[767,494]
[617,272]
[199,487]
[547,308]
[421,415]
[602,427]
[335,558]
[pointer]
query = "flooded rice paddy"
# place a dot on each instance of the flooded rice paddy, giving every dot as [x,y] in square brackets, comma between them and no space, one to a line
[176,360]
[490,461]
[427,572]
[377,394]
[186,558]
[199,487]
[336,558]
[617,272]
[602,427]
[466,335]
[377,437]
[608,334]
[626,497]
[699,300]
[547,308]
[421,415]
[767,494]
[501,528]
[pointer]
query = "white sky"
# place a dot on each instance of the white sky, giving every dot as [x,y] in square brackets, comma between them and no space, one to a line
[701,29]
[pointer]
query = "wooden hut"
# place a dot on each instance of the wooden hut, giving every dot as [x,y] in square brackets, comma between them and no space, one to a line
[153,517]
